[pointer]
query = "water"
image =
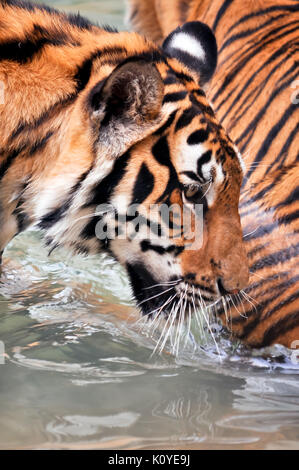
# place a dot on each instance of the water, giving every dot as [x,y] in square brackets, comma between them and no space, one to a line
[78,373]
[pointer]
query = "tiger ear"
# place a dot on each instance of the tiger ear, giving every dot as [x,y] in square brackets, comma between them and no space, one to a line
[127,105]
[194,44]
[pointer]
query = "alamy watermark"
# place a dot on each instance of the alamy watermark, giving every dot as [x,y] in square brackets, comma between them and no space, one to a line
[156,222]
[295,353]
[2,92]
[2,353]
[295,94]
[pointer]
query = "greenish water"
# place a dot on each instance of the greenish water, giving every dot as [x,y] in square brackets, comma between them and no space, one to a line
[78,372]
[109,12]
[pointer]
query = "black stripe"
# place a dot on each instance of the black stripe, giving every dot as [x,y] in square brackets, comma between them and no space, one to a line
[26,5]
[226,4]
[146,245]
[173,97]
[139,221]
[10,158]
[281,51]
[23,219]
[24,51]
[206,109]
[204,158]
[273,287]
[276,257]
[264,230]
[30,151]
[263,191]
[167,124]
[251,128]
[286,300]
[252,52]
[186,118]
[254,94]
[170,79]
[274,292]
[248,32]
[292,197]
[262,85]
[283,154]
[198,137]
[52,217]
[161,153]
[83,72]
[143,186]
[81,79]
[262,306]
[183,76]
[40,144]
[245,18]
[71,18]
[268,141]
[75,19]
[288,218]
[140,278]
[102,192]
[191,175]
[257,250]
[282,326]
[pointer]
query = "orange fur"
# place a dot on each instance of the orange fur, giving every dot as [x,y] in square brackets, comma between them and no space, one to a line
[269,198]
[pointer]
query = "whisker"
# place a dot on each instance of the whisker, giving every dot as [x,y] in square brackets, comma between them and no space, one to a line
[241,302]
[225,309]
[181,319]
[161,335]
[249,297]
[163,306]
[258,275]
[207,189]
[170,283]
[250,233]
[200,323]
[93,214]
[174,314]
[249,301]
[155,323]
[189,326]
[209,327]
[155,296]
[232,300]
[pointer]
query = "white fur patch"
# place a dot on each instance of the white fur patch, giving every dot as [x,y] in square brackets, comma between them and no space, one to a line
[187,161]
[185,43]
[242,163]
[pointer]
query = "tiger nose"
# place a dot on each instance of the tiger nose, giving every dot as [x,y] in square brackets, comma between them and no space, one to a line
[223,291]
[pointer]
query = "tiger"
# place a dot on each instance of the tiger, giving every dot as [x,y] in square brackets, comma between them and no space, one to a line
[95,121]
[253,92]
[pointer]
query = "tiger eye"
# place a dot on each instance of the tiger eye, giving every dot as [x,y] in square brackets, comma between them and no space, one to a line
[191,190]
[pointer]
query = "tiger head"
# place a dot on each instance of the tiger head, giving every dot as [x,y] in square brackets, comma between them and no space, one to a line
[160,147]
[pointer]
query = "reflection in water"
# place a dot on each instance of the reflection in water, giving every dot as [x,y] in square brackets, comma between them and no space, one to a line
[71,385]
[79,374]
